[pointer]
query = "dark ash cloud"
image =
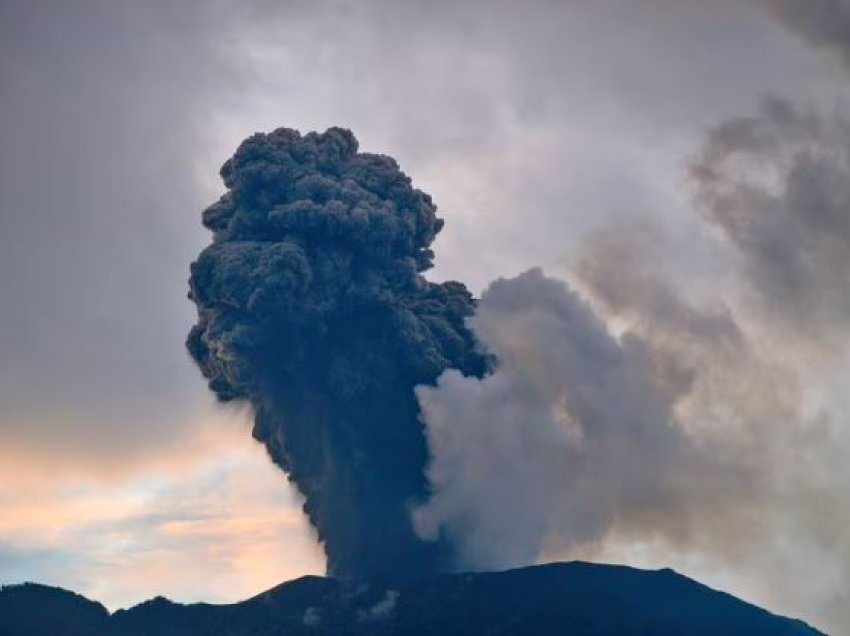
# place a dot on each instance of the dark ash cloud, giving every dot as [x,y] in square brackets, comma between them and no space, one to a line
[313,308]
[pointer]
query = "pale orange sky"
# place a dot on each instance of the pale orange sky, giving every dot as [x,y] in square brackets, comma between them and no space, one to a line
[210,518]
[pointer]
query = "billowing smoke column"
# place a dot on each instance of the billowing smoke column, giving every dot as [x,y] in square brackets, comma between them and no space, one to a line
[313,308]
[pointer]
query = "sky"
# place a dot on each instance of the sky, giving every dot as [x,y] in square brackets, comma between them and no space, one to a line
[643,152]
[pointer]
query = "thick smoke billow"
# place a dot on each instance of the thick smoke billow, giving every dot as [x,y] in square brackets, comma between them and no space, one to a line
[680,435]
[573,434]
[312,307]
[778,186]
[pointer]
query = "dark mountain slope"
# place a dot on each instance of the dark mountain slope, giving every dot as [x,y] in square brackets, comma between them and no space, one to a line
[48,611]
[578,599]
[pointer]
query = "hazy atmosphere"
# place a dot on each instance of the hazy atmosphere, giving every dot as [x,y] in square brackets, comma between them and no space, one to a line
[651,198]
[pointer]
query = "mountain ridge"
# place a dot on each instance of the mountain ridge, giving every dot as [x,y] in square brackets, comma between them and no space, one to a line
[578,598]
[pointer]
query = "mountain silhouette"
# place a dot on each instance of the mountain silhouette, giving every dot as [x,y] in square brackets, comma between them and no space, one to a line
[575,599]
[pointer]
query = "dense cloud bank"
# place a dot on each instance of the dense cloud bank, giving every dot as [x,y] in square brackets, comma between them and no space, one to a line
[313,308]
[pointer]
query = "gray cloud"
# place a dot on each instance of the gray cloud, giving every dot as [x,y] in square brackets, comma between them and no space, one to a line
[751,399]
[777,185]
[822,23]
[102,121]
[572,435]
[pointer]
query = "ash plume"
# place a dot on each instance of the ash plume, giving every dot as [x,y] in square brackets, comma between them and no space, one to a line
[573,436]
[312,307]
[777,184]
[755,402]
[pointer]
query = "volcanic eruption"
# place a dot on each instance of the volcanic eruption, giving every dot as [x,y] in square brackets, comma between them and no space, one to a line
[312,308]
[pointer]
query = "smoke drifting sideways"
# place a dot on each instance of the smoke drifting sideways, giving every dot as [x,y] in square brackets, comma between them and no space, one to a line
[777,185]
[312,308]
[573,434]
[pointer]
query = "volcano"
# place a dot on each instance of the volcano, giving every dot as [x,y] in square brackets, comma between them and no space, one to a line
[576,598]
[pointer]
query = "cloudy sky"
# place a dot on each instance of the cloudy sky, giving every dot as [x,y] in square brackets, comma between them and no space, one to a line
[681,163]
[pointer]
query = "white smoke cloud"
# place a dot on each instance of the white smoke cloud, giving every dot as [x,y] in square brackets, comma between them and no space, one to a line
[681,430]
[573,434]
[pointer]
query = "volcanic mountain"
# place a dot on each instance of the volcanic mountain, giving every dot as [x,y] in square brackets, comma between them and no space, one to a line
[579,599]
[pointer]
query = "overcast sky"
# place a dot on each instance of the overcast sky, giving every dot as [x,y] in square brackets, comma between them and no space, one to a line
[545,131]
